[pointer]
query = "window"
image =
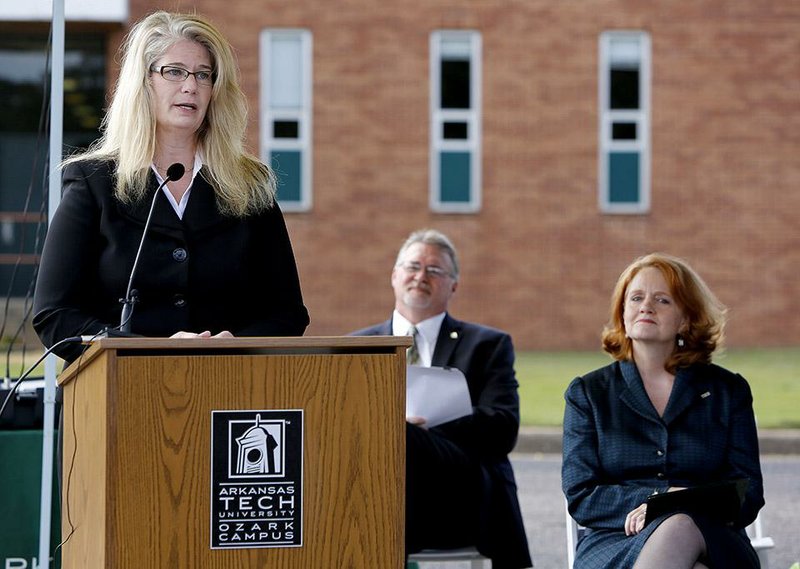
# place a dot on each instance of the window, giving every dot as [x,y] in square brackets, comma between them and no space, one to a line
[24,138]
[285,108]
[455,157]
[624,161]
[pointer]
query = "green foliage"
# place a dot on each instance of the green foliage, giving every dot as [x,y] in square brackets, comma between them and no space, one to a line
[773,374]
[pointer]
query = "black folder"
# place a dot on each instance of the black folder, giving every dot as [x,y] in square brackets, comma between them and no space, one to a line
[720,501]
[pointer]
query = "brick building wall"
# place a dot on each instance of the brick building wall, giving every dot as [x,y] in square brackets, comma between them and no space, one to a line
[540,259]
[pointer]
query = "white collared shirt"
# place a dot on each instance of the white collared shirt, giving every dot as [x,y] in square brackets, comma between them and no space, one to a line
[180,208]
[427,334]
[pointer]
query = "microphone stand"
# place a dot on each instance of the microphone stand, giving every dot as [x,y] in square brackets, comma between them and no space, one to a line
[174,172]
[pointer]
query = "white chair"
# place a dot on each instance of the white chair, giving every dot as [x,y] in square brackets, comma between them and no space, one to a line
[447,555]
[760,543]
[574,532]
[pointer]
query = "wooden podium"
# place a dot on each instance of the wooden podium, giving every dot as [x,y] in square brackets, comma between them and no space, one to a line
[151,474]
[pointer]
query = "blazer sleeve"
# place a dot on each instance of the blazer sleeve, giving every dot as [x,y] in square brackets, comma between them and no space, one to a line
[743,454]
[69,267]
[593,500]
[278,308]
[491,431]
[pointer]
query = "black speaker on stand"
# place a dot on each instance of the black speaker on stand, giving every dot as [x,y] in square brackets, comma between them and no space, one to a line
[26,408]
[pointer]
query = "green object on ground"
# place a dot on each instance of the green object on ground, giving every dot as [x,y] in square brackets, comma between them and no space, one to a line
[20,477]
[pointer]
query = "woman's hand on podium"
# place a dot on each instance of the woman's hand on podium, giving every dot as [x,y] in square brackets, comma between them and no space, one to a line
[205,334]
[418,421]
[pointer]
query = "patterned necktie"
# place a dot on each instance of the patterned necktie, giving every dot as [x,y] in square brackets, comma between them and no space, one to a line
[412,355]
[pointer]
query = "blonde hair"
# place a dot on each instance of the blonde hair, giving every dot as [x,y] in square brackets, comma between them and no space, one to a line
[705,314]
[241,182]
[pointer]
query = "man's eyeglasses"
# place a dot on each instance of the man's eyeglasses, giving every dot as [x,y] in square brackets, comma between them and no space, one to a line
[431,271]
[178,74]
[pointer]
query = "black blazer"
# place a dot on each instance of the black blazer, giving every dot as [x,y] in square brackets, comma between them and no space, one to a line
[486,357]
[204,272]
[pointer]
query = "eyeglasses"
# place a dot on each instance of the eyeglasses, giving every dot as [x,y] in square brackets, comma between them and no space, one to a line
[431,271]
[178,74]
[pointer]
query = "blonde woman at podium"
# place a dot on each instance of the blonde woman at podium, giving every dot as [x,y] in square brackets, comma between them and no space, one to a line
[460,487]
[167,226]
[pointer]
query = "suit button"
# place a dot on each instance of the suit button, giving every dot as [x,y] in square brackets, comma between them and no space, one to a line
[660,453]
[660,475]
[179,301]
[179,254]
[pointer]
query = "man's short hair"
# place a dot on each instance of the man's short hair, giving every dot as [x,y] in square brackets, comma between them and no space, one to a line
[435,238]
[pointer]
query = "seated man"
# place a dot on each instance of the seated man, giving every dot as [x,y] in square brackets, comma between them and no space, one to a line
[460,488]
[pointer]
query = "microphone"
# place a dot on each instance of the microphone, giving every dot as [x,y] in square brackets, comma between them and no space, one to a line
[174,172]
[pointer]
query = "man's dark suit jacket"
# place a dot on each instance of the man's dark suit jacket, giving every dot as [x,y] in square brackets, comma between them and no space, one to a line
[204,272]
[486,357]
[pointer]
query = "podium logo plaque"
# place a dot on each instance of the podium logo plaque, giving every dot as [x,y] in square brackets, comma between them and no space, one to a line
[256,478]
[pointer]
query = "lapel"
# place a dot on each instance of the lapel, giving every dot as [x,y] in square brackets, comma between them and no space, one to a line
[384,329]
[633,394]
[201,211]
[164,217]
[449,337]
[686,391]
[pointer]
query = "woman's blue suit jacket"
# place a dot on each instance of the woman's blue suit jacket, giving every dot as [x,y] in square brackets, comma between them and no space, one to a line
[618,451]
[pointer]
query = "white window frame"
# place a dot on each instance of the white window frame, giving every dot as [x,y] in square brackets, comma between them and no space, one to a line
[472,117]
[640,117]
[302,115]
[82,11]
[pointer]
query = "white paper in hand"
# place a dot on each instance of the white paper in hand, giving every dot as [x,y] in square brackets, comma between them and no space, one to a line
[436,394]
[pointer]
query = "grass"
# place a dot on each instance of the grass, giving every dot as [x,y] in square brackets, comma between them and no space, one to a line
[773,374]
[16,363]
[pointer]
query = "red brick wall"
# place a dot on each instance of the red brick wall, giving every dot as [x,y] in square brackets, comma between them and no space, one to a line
[540,259]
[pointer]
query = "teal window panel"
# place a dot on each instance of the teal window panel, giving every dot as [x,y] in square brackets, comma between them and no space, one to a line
[455,177]
[287,165]
[623,177]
